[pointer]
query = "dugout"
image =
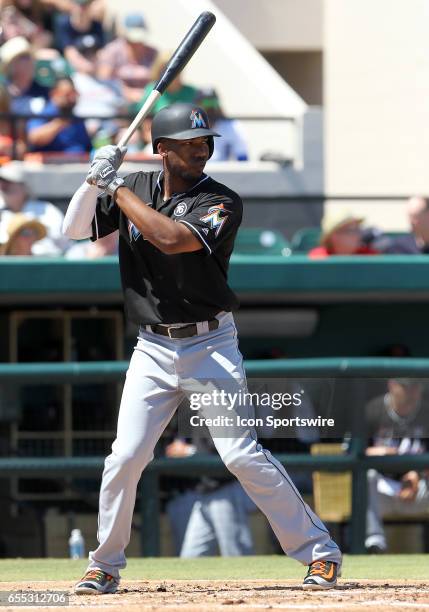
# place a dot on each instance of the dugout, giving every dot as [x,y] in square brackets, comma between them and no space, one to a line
[59,312]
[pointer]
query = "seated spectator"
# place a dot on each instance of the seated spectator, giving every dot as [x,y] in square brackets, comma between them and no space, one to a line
[88,249]
[129,58]
[417,242]
[397,424]
[141,140]
[341,235]
[85,18]
[26,95]
[210,514]
[25,18]
[7,148]
[15,198]
[96,97]
[22,233]
[232,145]
[64,132]
[176,92]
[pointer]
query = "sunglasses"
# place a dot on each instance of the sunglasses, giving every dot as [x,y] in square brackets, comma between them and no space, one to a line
[27,232]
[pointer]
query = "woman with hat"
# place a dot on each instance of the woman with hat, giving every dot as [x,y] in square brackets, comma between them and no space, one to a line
[341,235]
[23,231]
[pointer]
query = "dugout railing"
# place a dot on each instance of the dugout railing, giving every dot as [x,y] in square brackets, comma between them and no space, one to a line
[355,460]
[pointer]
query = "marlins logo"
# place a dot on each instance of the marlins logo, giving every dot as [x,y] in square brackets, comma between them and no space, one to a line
[197,119]
[216,218]
[133,232]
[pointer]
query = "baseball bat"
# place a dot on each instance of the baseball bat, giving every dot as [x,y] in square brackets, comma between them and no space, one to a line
[178,61]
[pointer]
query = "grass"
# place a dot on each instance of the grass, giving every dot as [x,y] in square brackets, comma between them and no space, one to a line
[222,568]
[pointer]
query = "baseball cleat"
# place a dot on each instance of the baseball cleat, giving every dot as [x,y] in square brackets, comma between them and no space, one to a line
[96,582]
[321,575]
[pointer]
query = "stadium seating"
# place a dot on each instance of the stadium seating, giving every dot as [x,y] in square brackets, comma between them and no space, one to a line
[305,239]
[256,241]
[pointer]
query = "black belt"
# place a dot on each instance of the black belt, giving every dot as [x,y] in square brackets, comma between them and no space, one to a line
[185,331]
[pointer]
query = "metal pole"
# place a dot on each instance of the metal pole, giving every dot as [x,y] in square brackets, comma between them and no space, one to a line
[150,515]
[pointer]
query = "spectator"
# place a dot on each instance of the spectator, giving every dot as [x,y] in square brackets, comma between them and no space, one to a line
[341,235]
[6,136]
[85,18]
[23,232]
[232,145]
[417,241]
[96,97]
[141,140]
[129,58]
[25,18]
[397,423]
[64,132]
[176,92]
[26,95]
[87,249]
[15,198]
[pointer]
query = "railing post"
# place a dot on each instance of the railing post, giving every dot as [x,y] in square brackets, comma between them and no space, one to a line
[359,479]
[150,514]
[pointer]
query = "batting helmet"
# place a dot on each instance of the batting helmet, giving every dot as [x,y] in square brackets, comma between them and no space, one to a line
[182,121]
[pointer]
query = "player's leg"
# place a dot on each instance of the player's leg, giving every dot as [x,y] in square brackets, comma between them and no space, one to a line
[384,500]
[149,400]
[230,520]
[178,511]
[300,532]
[378,503]
[200,537]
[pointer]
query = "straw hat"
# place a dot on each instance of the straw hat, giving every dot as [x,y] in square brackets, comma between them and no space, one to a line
[333,221]
[17,223]
[13,48]
[13,172]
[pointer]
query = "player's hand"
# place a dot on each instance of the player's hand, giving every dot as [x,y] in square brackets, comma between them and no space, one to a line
[112,153]
[101,173]
[410,486]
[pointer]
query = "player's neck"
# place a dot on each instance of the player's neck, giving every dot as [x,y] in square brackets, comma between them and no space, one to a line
[176,184]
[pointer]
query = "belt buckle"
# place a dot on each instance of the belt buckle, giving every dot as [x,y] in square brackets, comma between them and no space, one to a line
[169,332]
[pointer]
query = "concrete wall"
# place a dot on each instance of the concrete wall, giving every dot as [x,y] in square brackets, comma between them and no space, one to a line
[376,91]
[272,25]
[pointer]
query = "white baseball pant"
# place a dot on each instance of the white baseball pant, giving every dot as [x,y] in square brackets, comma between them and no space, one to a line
[151,395]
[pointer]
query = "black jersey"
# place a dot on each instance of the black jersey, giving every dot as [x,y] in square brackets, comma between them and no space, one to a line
[181,288]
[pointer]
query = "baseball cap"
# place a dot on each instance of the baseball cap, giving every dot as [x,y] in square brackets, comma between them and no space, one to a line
[17,223]
[13,48]
[333,221]
[135,28]
[13,172]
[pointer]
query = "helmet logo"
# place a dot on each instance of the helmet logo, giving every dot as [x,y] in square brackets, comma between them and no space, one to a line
[197,119]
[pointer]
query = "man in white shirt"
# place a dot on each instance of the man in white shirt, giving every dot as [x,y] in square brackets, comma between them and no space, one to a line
[15,198]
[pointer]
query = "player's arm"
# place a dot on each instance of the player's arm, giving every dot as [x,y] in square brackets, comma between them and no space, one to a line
[168,236]
[80,213]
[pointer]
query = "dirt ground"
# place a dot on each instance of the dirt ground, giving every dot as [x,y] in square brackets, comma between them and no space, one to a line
[253,595]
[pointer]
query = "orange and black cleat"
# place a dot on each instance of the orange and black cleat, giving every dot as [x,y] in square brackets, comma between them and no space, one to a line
[321,575]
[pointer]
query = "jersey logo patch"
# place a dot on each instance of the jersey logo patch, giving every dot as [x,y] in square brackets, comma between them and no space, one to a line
[133,232]
[180,209]
[216,218]
[197,119]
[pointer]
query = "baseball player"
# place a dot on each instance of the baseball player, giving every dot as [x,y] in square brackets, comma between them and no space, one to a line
[177,229]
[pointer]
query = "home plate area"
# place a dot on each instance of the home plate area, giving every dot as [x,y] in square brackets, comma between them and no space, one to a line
[213,595]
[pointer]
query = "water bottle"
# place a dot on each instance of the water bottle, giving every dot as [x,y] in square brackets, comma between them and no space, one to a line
[76,544]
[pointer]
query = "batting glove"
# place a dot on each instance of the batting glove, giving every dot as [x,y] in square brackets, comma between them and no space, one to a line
[112,153]
[101,173]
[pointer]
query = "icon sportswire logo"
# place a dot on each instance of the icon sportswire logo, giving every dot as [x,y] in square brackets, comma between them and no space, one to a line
[216,217]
